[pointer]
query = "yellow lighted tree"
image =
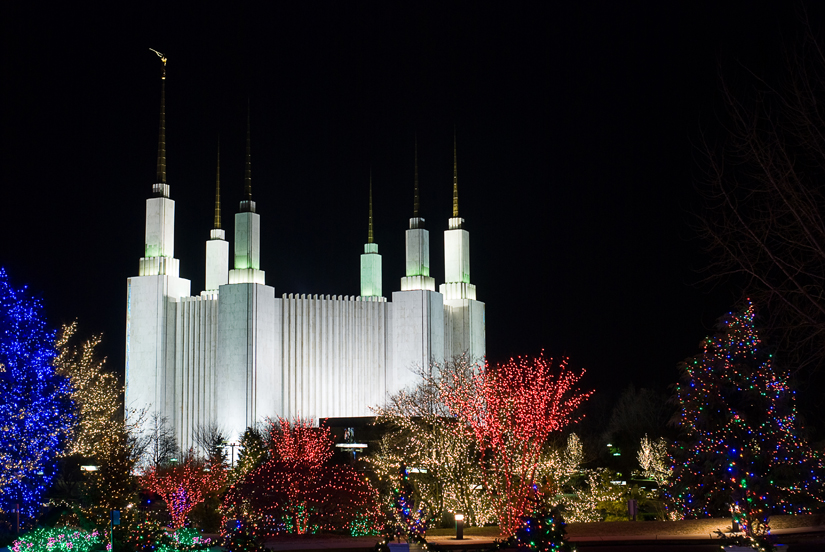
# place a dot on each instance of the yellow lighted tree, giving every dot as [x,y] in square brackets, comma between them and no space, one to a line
[96,392]
[437,449]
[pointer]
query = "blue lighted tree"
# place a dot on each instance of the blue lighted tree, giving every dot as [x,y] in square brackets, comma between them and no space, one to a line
[740,447]
[36,410]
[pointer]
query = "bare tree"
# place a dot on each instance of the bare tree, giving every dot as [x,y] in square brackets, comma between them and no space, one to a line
[766,203]
[211,441]
[161,445]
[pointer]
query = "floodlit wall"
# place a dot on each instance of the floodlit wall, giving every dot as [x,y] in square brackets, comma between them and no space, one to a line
[334,355]
[417,335]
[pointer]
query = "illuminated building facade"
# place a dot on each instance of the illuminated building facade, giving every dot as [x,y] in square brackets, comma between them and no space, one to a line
[238,352]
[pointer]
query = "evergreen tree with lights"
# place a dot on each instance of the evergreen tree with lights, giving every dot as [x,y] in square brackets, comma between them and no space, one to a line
[411,520]
[252,452]
[543,529]
[740,448]
[36,409]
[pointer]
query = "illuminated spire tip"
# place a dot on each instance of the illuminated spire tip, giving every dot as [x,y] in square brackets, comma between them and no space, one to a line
[455,178]
[416,202]
[369,234]
[161,174]
[218,190]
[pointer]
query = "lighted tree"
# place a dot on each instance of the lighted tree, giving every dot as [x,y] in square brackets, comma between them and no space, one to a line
[423,435]
[556,467]
[297,490]
[654,460]
[95,391]
[584,493]
[512,409]
[185,485]
[300,442]
[411,518]
[251,454]
[36,410]
[543,528]
[112,486]
[740,442]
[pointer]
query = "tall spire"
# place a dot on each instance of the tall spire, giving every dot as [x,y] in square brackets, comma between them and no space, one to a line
[248,172]
[455,178]
[369,234]
[161,176]
[416,200]
[218,190]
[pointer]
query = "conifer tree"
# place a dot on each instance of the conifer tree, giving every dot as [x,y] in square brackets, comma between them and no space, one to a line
[36,410]
[251,454]
[411,519]
[740,446]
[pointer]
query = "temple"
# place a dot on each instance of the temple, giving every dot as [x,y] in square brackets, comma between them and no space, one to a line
[238,352]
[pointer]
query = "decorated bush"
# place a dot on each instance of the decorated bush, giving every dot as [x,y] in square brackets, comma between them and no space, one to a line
[298,491]
[58,539]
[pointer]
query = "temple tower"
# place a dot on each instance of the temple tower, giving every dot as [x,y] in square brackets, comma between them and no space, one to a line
[464,331]
[151,297]
[217,248]
[370,261]
[248,381]
[418,310]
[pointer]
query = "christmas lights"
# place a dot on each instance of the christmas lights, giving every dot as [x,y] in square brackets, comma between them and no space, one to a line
[297,491]
[654,460]
[57,539]
[184,486]
[543,529]
[512,408]
[95,391]
[36,410]
[422,433]
[252,454]
[411,519]
[741,447]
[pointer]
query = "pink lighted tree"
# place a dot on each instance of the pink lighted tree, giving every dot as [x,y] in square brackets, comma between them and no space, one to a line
[512,409]
[300,441]
[297,490]
[184,486]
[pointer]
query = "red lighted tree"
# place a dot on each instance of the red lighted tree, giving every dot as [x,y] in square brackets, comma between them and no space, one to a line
[298,491]
[512,408]
[300,441]
[184,486]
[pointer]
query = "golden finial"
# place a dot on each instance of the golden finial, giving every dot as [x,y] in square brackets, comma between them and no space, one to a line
[369,234]
[455,178]
[416,201]
[218,190]
[248,172]
[162,127]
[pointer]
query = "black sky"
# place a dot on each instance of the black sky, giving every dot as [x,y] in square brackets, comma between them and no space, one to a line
[579,128]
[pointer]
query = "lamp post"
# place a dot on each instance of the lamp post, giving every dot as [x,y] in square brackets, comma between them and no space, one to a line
[232,462]
[459,527]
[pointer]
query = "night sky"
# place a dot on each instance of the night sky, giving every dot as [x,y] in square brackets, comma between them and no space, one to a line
[579,129]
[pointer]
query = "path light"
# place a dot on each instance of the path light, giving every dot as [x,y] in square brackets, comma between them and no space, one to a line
[459,526]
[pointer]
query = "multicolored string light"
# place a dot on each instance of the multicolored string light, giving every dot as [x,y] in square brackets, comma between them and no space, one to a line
[184,486]
[58,539]
[738,416]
